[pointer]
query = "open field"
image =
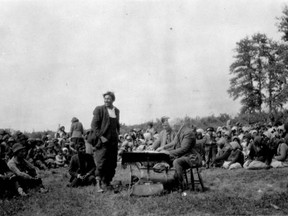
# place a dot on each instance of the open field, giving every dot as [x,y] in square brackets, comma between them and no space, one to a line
[240,192]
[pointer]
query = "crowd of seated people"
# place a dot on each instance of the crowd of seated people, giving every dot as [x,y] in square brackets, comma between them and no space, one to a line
[21,159]
[229,147]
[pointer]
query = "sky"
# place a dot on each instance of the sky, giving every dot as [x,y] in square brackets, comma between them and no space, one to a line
[160,58]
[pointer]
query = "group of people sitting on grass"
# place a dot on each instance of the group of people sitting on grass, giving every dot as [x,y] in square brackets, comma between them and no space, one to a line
[21,157]
[229,147]
[18,172]
[260,146]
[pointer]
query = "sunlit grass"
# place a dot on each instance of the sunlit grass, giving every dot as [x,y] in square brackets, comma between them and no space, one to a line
[239,192]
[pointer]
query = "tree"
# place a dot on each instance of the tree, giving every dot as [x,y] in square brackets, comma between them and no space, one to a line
[276,85]
[247,80]
[283,23]
[260,74]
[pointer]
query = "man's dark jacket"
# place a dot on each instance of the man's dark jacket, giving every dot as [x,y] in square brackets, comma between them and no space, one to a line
[87,165]
[100,123]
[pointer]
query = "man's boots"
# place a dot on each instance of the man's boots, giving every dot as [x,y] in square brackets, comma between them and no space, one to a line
[98,185]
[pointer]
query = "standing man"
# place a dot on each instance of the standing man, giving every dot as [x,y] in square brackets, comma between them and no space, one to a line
[210,147]
[76,131]
[105,126]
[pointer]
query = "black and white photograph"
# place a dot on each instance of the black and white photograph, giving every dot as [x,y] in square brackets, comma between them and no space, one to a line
[143,107]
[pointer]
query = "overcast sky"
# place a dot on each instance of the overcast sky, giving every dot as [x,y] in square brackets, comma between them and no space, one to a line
[170,58]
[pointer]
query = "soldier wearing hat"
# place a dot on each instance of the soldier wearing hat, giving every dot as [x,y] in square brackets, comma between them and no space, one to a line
[25,171]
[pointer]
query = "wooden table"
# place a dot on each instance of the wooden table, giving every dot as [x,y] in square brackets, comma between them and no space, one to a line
[148,158]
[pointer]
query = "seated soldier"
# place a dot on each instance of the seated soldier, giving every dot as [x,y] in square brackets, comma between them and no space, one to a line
[224,150]
[26,173]
[8,180]
[182,151]
[82,168]
[259,156]
[236,157]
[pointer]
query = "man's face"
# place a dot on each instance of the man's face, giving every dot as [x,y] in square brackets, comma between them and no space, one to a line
[165,125]
[175,127]
[199,136]
[22,153]
[108,101]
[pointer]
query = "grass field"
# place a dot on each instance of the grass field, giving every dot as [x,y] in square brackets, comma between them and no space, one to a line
[240,192]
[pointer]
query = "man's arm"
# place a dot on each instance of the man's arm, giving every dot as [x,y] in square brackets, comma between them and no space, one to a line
[96,122]
[170,145]
[157,142]
[187,143]
[224,156]
[5,169]
[118,121]
[12,166]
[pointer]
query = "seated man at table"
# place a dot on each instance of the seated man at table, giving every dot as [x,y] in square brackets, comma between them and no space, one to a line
[182,150]
[82,168]
[165,136]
